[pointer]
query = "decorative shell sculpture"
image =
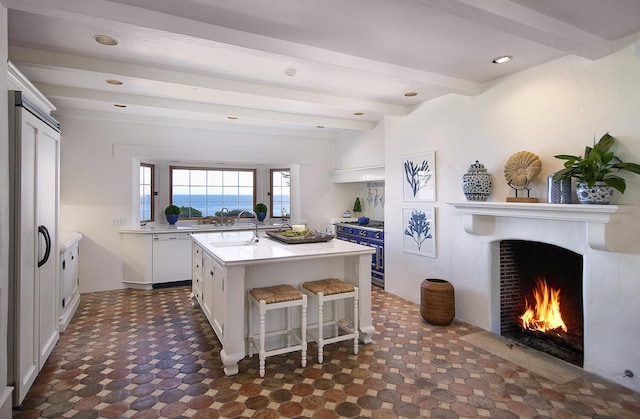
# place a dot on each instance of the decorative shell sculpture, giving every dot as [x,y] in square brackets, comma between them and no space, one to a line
[522,168]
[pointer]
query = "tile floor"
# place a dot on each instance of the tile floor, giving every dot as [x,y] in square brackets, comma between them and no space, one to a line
[148,354]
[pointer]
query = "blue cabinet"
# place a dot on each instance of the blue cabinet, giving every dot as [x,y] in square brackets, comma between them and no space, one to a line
[367,237]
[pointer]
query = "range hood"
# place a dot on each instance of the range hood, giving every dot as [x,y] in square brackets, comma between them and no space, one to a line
[360,174]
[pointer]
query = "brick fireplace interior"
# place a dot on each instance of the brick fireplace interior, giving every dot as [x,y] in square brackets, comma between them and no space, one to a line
[523,265]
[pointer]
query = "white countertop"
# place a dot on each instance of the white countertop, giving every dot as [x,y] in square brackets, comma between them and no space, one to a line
[197,228]
[68,240]
[233,248]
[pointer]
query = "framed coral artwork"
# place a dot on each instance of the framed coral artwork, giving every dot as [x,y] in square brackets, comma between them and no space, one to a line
[419,231]
[419,177]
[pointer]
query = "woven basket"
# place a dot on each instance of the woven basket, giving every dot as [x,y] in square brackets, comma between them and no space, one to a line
[437,302]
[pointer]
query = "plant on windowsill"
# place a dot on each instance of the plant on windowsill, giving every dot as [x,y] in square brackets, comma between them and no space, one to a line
[261,211]
[596,172]
[172,213]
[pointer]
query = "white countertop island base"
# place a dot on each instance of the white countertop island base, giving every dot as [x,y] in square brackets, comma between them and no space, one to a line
[230,266]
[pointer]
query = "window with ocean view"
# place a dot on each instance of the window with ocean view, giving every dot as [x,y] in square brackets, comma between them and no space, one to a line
[202,192]
[146,192]
[280,192]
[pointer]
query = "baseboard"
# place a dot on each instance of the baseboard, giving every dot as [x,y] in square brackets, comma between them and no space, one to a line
[172,284]
[5,402]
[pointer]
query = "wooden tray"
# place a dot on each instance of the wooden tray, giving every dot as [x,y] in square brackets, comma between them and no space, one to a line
[277,235]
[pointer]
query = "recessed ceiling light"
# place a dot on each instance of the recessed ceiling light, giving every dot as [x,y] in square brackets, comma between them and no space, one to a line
[232,117]
[411,94]
[114,82]
[117,105]
[503,59]
[290,71]
[358,113]
[319,126]
[105,40]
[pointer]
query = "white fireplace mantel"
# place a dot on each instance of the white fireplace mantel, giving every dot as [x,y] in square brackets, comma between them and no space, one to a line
[478,218]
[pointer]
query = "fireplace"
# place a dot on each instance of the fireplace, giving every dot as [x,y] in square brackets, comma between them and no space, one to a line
[541,303]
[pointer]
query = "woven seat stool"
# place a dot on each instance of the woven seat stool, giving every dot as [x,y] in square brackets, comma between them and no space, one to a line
[326,290]
[273,298]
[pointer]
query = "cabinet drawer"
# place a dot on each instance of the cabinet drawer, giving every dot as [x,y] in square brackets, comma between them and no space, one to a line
[196,284]
[197,294]
[197,253]
[197,267]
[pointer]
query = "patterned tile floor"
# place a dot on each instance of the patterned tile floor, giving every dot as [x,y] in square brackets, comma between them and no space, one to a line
[148,354]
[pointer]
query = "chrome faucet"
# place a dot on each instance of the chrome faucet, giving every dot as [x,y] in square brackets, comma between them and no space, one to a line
[222,214]
[254,239]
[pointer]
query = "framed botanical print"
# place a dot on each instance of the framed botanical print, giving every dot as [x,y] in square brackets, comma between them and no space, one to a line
[419,231]
[419,177]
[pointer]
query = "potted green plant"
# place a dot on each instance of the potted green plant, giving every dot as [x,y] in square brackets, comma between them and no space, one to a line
[261,211]
[357,206]
[172,213]
[596,172]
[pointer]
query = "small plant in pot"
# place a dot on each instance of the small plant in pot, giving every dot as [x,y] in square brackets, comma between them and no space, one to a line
[172,212]
[596,172]
[261,211]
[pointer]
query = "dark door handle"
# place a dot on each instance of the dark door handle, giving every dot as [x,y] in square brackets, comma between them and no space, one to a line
[47,239]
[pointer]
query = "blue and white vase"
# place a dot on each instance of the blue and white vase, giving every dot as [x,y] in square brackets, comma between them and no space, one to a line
[476,183]
[558,191]
[600,193]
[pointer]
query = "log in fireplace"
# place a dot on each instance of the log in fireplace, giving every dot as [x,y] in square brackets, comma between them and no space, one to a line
[541,302]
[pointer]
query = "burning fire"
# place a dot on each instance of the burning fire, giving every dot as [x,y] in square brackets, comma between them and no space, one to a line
[545,315]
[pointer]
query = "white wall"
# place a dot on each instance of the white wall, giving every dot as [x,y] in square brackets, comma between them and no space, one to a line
[555,108]
[358,150]
[98,163]
[5,395]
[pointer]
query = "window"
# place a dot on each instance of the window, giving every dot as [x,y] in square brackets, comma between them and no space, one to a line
[146,192]
[280,192]
[202,192]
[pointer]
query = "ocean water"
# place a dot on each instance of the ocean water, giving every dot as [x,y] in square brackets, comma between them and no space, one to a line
[210,204]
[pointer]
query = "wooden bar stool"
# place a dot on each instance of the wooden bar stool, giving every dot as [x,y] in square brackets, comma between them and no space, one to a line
[273,298]
[333,289]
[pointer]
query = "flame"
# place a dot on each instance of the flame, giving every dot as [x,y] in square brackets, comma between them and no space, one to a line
[545,315]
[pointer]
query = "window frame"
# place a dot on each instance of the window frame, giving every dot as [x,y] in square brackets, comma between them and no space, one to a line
[152,167]
[271,195]
[253,171]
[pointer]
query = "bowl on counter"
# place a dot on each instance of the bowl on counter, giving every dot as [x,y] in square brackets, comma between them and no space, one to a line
[363,220]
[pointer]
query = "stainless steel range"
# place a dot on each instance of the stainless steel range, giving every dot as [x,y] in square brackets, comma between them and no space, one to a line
[372,235]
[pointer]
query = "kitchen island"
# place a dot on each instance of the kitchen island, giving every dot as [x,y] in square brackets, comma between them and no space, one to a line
[161,254]
[226,265]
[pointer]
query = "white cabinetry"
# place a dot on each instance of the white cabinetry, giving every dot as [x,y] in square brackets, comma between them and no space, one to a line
[137,259]
[33,261]
[207,288]
[219,300]
[154,259]
[171,255]
[69,279]
[196,276]
[208,285]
